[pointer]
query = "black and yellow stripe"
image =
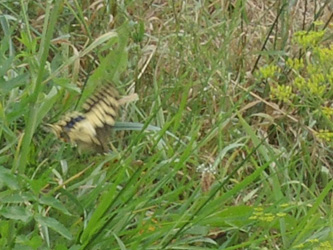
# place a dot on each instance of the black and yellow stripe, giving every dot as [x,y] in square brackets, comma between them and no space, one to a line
[90,129]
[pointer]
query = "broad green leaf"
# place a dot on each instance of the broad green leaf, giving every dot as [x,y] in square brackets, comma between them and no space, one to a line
[8,179]
[54,225]
[53,202]
[16,213]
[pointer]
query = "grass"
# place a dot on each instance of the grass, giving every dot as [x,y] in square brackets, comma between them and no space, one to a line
[237,102]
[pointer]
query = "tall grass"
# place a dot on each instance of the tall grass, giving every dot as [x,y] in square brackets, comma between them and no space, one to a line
[237,101]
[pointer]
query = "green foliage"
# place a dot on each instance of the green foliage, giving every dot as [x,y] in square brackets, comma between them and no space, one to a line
[216,154]
[310,85]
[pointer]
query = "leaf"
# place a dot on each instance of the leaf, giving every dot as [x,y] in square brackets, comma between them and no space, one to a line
[54,225]
[8,179]
[6,86]
[47,104]
[16,213]
[229,217]
[106,70]
[120,242]
[111,66]
[52,202]
[137,126]
[17,197]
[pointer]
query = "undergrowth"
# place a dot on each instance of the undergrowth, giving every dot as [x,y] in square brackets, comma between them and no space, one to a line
[239,94]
